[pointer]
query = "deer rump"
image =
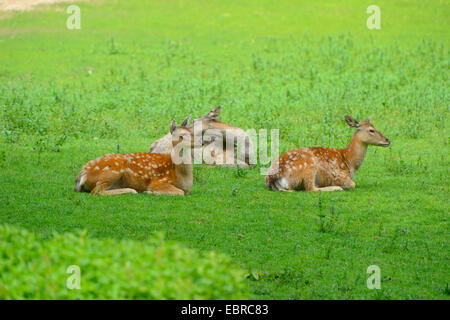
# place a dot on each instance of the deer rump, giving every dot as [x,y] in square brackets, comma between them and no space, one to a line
[217,150]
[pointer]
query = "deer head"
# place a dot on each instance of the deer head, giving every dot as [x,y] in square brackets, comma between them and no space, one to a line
[184,135]
[367,133]
[184,140]
[211,116]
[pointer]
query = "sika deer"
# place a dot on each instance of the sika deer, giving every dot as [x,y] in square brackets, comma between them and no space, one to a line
[141,172]
[217,150]
[324,169]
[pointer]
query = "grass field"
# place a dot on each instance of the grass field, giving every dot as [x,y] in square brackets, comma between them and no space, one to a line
[68,96]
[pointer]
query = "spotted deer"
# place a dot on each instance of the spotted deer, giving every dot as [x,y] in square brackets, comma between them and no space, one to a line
[217,148]
[325,169]
[142,172]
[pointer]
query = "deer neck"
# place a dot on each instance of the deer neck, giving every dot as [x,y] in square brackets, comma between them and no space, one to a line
[184,176]
[355,153]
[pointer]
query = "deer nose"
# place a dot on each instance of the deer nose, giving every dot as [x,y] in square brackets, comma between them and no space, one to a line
[388,141]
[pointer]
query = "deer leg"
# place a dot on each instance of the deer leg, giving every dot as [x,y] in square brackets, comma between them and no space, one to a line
[102,189]
[117,191]
[164,189]
[331,188]
[310,185]
[108,183]
[221,159]
[344,182]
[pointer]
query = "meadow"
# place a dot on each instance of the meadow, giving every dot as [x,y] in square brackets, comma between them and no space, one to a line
[68,96]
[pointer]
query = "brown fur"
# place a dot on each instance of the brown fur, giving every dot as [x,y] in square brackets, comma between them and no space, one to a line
[218,148]
[324,169]
[142,172]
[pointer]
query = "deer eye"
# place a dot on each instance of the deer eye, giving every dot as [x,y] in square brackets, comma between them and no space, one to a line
[371,131]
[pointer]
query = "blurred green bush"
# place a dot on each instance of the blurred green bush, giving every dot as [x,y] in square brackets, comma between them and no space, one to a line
[31,268]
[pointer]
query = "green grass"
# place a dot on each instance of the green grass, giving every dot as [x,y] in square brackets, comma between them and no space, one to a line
[298,66]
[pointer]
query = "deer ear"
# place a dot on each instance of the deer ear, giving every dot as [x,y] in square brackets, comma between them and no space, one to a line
[213,115]
[186,121]
[173,126]
[351,122]
[368,119]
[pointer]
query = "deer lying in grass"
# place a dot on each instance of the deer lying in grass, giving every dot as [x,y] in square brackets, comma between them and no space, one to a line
[324,169]
[141,172]
[217,150]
